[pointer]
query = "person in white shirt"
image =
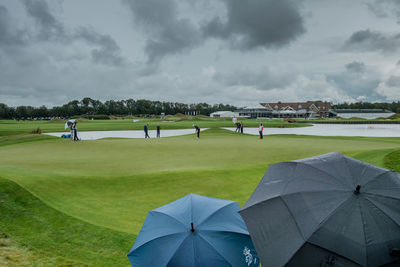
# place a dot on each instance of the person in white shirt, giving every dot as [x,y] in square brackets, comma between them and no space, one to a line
[260,130]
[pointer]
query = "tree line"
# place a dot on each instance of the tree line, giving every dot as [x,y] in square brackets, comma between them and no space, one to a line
[96,108]
[394,106]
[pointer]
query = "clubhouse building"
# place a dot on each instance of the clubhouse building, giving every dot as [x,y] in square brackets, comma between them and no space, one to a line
[309,109]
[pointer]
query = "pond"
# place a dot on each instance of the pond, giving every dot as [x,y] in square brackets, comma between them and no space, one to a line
[364,130]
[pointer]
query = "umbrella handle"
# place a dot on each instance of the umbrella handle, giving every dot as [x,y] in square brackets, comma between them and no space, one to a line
[357,191]
[191,224]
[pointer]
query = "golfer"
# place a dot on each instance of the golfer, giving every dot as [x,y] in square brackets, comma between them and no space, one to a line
[71,131]
[260,130]
[146,131]
[241,127]
[158,131]
[75,131]
[197,130]
[237,127]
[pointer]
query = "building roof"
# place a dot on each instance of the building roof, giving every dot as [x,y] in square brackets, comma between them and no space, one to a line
[255,107]
[222,112]
[309,105]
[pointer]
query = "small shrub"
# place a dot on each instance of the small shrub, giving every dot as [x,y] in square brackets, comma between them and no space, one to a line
[37,131]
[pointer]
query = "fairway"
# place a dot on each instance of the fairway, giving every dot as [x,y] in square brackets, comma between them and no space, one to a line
[109,185]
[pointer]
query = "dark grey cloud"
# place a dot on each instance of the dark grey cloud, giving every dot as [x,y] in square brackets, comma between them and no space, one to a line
[49,27]
[385,8]
[247,25]
[357,80]
[393,81]
[367,40]
[258,23]
[107,52]
[263,79]
[167,33]
[356,67]
[10,35]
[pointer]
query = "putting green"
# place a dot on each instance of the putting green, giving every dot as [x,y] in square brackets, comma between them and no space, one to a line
[83,203]
[114,182]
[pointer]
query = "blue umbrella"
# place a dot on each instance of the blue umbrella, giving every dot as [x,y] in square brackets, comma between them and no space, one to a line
[194,231]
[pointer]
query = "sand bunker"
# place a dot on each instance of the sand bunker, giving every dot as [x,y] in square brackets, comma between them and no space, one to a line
[94,135]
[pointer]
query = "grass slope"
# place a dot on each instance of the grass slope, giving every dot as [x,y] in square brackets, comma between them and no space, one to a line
[33,234]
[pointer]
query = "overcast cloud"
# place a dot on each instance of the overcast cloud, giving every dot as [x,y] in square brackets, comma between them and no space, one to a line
[230,51]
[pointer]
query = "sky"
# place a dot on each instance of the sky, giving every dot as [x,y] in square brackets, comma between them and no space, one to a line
[239,52]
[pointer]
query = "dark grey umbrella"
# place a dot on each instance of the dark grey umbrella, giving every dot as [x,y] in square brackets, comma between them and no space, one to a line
[329,210]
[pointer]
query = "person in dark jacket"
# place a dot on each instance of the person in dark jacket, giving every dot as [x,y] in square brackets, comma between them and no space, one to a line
[158,131]
[237,127]
[75,130]
[197,128]
[146,131]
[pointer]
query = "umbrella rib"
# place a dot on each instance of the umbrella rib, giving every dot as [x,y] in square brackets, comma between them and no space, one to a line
[214,249]
[379,195]
[364,230]
[300,192]
[379,208]
[330,175]
[224,231]
[376,177]
[294,218]
[175,219]
[145,243]
[333,212]
[180,245]
[214,212]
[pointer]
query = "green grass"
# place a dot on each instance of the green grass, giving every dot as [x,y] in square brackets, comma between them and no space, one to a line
[392,160]
[9,127]
[48,237]
[108,186]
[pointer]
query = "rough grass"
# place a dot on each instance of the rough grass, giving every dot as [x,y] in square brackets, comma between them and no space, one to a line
[32,233]
[392,160]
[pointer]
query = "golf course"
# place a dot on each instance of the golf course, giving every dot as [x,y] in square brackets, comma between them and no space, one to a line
[65,203]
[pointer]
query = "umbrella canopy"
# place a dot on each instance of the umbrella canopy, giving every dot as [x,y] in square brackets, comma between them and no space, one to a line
[69,123]
[329,210]
[194,231]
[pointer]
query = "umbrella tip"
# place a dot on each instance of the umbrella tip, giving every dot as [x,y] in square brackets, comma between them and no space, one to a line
[357,191]
[191,224]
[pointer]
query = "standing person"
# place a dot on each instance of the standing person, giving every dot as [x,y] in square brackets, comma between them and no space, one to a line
[158,131]
[71,131]
[241,127]
[75,131]
[146,131]
[260,130]
[237,127]
[197,130]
